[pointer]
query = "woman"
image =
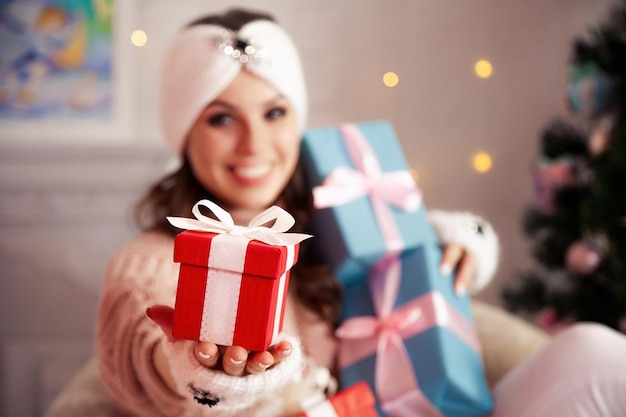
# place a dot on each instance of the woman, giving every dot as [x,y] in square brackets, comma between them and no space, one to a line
[234,108]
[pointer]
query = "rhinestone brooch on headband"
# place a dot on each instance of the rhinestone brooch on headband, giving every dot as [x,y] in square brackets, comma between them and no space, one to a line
[241,50]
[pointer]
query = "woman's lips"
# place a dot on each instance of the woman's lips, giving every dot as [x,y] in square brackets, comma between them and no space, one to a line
[251,173]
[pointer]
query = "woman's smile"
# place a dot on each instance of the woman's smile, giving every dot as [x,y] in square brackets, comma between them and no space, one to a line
[251,174]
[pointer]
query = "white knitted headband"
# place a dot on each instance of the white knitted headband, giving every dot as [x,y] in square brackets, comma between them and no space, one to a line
[202,61]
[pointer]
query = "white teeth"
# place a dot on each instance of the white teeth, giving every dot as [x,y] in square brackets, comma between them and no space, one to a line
[251,172]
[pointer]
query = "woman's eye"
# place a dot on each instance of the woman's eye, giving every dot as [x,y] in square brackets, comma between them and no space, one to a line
[220,119]
[276,113]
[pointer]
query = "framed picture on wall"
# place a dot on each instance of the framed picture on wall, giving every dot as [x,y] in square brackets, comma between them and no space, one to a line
[65,71]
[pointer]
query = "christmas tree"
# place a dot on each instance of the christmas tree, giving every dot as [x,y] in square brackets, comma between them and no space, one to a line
[577,221]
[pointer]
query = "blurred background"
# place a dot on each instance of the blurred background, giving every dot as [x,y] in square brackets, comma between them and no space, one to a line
[457,78]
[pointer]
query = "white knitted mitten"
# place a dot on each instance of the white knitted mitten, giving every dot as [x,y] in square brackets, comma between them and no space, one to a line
[212,388]
[475,235]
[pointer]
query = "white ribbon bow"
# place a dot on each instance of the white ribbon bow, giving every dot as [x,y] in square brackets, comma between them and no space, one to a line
[225,225]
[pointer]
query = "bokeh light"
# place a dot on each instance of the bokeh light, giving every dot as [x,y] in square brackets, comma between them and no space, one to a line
[482,162]
[139,37]
[390,79]
[483,68]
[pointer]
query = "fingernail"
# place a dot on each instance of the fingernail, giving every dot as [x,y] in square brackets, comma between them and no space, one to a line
[593,259]
[263,365]
[204,355]
[445,269]
[285,351]
[235,362]
[460,290]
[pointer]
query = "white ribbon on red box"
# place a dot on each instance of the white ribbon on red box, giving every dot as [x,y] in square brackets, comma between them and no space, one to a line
[255,230]
[223,287]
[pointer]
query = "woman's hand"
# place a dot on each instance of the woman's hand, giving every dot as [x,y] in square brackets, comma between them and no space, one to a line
[455,257]
[233,360]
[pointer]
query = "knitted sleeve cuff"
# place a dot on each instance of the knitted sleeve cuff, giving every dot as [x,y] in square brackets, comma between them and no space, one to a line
[214,388]
[475,235]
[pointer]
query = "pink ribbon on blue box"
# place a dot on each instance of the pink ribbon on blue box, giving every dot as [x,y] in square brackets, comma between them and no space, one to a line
[345,184]
[396,383]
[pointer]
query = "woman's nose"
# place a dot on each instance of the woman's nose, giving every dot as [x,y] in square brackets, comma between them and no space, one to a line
[252,139]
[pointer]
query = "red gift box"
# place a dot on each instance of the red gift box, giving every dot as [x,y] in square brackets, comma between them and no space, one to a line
[355,401]
[232,288]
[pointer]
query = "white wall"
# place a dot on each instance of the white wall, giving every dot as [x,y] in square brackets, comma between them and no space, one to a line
[64,208]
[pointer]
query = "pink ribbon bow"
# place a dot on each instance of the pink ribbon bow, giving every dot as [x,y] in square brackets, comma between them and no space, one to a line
[345,184]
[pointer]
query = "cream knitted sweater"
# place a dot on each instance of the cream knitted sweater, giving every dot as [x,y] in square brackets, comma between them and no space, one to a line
[143,274]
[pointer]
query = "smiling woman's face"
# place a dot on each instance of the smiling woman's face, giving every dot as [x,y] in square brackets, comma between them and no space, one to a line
[245,145]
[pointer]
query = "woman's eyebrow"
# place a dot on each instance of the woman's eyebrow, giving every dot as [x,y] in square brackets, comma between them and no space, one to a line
[220,103]
[273,100]
[279,97]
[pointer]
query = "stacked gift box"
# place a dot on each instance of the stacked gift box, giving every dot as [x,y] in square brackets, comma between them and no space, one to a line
[404,331]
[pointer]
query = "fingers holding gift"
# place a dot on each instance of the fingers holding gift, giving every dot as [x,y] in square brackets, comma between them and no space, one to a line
[450,258]
[466,272]
[237,361]
[231,359]
[207,354]
[163,316]
[280,351]
[234,360]
[260,361]
[455,257]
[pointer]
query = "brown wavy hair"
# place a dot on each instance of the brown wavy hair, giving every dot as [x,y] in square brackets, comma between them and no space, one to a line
[176,193]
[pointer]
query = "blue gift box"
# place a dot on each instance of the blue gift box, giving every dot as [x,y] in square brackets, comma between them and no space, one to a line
[349,235]
[450,373]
